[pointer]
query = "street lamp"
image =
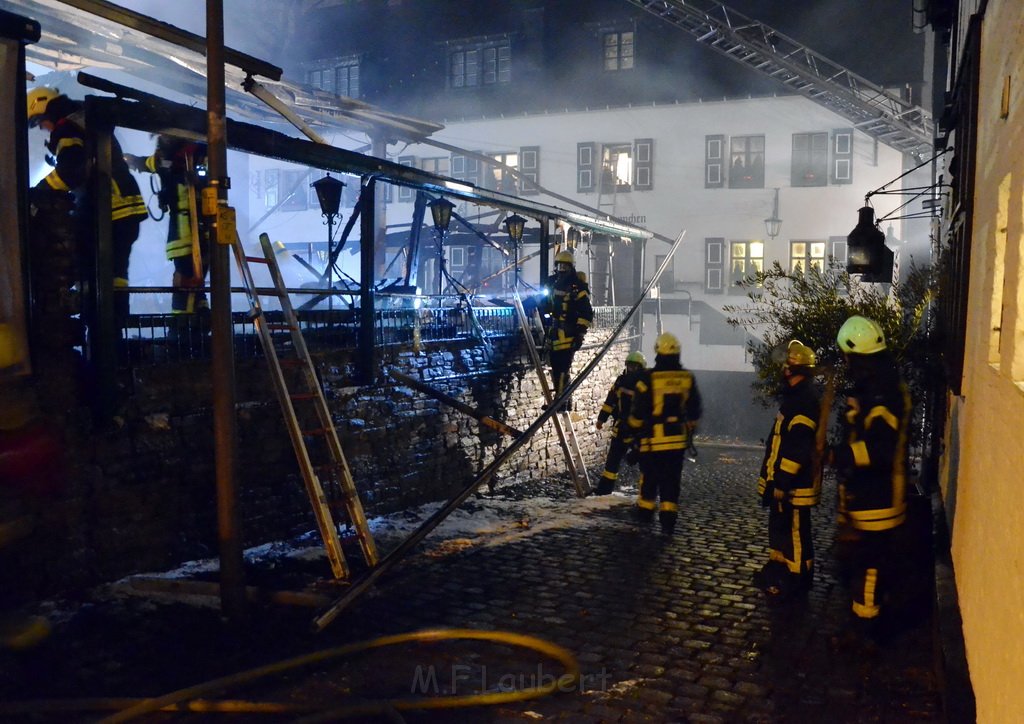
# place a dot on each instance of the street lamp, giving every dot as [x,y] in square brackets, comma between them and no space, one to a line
[514,226]
[441,211]
[328,195]
[773,224]
[866,252]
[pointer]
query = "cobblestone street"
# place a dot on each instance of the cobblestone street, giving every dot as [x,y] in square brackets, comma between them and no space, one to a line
[665,629]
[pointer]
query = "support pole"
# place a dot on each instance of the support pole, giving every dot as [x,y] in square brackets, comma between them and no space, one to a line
[222,372]
[366,582]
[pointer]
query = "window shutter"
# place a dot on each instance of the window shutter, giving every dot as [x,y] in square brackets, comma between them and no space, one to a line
[406,193]
[714,149]
[842,156]
[529,168]
[714,265]
[586,165]
[643,164]
[837,248]
[466,168]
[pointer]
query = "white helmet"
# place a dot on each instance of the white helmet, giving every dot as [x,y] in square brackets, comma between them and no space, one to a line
[860,335]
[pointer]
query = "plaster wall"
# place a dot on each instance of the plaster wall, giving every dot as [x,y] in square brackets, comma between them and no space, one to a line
[986,538]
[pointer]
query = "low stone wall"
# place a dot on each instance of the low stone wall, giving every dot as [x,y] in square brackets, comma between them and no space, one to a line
[141,495]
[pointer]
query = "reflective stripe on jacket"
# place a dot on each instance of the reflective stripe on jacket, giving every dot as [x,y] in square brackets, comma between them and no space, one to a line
[788,463]
[666,405]
[872,461]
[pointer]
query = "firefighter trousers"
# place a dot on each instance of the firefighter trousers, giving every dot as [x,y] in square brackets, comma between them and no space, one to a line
[660,476]
[790,547]
[871,569]
[617,449]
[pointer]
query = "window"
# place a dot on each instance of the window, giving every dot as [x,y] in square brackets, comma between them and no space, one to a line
[623,166]
[618,51]
[472,65]
[407,193]
[440,165]
[805,255]
[347,80]
[293,187]
[466,168]
[616,168]
[746,162]
[746,258]
[340,76]
[842,156]
[498,178]
[713,162]
[809,164]
[270,188]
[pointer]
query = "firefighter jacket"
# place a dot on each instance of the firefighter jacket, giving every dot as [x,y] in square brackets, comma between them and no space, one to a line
[619,402]
[666,406]
[570,310]
[175,163]
[871,462]
[71,170]
[790,466]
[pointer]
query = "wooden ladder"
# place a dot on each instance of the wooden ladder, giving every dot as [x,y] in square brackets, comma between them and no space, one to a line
[317,448]
[562,420]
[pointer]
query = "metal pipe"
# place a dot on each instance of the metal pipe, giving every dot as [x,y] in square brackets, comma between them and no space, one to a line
[368,579]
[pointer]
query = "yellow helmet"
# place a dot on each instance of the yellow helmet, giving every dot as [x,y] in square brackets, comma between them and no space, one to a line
[565,257]
[666,344]
[636,358]
[11,351]
[798,353]
[860,335]
[38,99]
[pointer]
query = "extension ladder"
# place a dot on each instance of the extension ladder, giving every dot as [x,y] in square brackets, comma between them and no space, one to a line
[561,419]
[321,459]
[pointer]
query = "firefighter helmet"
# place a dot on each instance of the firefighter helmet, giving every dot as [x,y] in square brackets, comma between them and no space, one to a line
[565,257]
[38,99]
[11,351]
[799,354]
[666,344]
[860,335]
[636,358]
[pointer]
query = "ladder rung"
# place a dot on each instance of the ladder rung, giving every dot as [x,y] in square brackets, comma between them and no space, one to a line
[278,326]
[291,362]
[315,431]
[303,395]
[257,259]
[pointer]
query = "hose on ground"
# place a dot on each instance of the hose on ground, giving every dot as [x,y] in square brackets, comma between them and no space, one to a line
[567,681]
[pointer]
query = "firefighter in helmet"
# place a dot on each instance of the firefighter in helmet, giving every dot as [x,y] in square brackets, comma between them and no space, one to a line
[664,415]
[180,164]
[569,316]
[790,480]
[871,465]
[617,406]
[63,119]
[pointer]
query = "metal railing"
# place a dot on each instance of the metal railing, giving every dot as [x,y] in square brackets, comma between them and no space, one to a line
[152,339]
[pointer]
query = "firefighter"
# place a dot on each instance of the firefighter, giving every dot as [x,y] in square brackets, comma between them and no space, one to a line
[569,316]
[790,480]
[871,466]
[617,406]
[179,164]
[664,415]
[62,117]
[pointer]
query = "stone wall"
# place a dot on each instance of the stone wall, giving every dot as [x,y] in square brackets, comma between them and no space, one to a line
[140,495]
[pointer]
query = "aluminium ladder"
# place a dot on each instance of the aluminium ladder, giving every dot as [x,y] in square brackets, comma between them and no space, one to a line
[324,461]
[561,419]
[871,108]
